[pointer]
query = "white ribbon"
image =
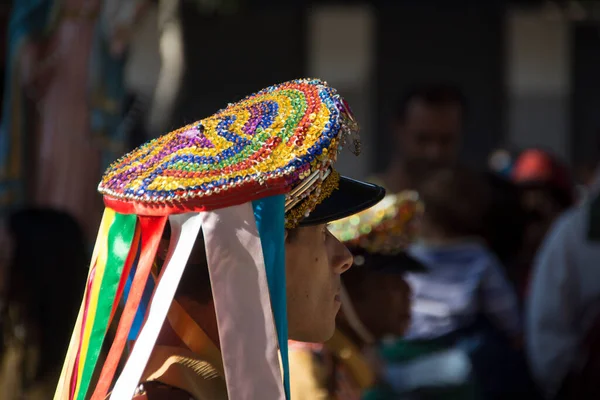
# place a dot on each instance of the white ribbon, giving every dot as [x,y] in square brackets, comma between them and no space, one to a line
[241,294]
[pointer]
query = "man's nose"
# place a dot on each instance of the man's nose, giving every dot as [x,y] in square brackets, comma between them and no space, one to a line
[343,258]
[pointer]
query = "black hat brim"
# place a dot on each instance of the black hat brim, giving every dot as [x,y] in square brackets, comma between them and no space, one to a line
[401,262]
[351,197]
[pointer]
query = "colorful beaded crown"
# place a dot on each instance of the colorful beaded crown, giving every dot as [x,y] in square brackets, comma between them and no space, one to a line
[386,228]
[282,139]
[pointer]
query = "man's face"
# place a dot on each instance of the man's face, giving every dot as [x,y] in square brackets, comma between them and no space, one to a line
[429,137]
[315,259]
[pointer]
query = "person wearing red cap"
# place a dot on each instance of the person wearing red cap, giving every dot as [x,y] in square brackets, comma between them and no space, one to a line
[547,190]
[545,179]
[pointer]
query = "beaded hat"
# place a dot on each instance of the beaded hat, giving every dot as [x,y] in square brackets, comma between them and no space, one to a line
[378,238]
[241,176]
[387,228]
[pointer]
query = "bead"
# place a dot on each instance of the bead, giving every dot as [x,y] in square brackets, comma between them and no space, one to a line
[385,228]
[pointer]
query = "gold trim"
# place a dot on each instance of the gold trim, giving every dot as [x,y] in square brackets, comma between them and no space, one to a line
[319,192]
[295,196]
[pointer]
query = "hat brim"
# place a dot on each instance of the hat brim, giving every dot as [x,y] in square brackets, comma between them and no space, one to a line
[400,263]
[351,197]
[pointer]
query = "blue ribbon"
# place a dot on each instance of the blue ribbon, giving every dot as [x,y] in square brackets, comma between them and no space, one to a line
[269,214]
[138,320]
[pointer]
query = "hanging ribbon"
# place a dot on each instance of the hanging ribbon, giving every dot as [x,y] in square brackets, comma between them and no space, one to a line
[132,259]
[270,221]
[151,232]
[143,307]
[120,238]
[247,331]
[93,287]
[63,388]
[76,374]
[184,230]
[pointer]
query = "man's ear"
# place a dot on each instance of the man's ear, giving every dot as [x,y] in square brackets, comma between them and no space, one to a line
[285,235]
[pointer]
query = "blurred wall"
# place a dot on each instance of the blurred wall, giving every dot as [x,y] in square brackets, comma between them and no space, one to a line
[538,65]
[340,50]
[585,104]
[528,76]
[229,57]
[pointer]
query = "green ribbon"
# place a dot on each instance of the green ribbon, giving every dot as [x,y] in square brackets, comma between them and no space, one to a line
[120,238]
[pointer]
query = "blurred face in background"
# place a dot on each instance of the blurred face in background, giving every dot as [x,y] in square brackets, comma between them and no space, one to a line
[541,208]
[381,302]
[430,135]
[386,307]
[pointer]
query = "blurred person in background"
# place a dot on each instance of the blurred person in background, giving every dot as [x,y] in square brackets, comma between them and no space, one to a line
[44,277]
[63,95]
[452,247]
[464,298]
[427,134]
[563,309]
[375,304]
[546,191]
[506,218]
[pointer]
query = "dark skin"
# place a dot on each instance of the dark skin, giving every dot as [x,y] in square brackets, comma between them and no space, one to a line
[381,302]
[427,138]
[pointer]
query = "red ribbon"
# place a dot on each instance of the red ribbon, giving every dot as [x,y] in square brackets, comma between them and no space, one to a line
[151,231]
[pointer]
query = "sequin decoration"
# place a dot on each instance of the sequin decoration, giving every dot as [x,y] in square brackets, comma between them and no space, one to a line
[386,228]
[276,137]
